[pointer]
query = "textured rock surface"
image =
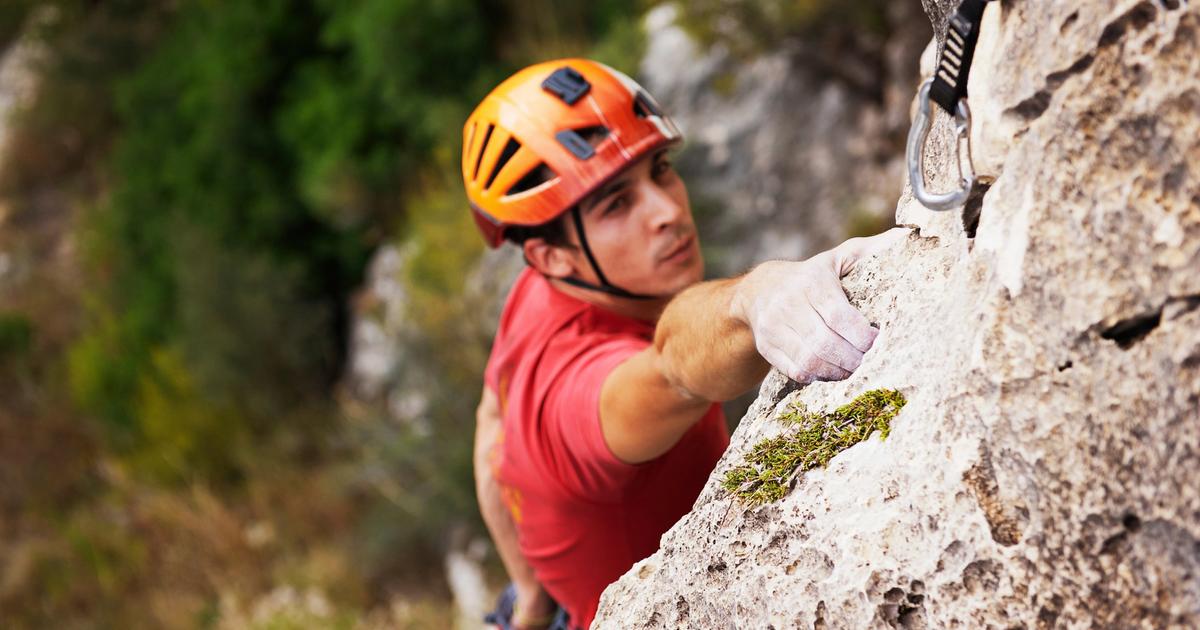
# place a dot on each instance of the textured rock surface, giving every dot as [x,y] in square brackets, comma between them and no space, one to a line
[1046,470]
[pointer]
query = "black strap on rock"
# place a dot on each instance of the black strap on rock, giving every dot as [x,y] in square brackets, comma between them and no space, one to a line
[954,64]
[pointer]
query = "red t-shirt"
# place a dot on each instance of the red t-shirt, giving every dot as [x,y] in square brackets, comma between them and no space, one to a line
[583,517]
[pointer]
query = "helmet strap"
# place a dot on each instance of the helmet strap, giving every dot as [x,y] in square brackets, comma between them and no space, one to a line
[605,286]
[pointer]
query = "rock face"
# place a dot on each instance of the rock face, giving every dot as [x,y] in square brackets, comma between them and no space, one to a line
[1046,469]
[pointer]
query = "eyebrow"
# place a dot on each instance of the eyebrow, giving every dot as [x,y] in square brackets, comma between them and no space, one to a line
[608,191]
[617,186]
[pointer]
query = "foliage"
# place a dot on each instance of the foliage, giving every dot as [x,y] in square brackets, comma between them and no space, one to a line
[64,137]
[282,136]
[12,17]
[811,440]
[235,163]
[749,27]
[16,335]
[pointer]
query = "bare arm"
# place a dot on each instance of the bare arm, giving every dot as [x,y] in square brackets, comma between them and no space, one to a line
[533,604]
[717,339]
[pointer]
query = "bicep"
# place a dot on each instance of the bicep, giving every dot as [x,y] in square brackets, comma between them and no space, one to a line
[642,414]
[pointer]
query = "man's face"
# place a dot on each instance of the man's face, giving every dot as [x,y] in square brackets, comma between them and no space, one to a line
[641,232]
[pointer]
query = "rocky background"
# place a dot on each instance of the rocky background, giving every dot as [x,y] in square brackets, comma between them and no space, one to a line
[1044,470]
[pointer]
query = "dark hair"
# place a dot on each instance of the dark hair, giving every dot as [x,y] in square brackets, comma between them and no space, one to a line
[554,232]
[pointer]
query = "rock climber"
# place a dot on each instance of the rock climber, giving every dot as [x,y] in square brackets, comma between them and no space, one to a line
[599,420]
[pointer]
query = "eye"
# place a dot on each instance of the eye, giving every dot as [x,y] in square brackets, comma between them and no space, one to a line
[661,167]
[617,203]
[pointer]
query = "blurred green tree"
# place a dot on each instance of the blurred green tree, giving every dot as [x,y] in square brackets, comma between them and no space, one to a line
[235,164]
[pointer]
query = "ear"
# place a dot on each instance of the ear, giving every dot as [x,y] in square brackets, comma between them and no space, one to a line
[550,260]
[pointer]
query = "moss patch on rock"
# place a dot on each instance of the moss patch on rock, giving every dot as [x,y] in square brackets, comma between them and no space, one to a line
[811,440]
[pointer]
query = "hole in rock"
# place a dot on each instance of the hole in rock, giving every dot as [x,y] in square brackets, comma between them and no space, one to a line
[1112,543]
[1071,19]
[973,209]
[1131,330]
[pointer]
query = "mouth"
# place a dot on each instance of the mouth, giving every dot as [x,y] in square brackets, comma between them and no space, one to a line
[679,251]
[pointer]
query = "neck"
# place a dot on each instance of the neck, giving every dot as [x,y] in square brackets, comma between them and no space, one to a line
[645,310]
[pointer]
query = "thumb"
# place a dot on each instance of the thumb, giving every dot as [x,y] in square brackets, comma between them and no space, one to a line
[861,248]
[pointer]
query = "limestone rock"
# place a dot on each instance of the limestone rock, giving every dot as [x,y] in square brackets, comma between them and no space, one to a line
[1046,469]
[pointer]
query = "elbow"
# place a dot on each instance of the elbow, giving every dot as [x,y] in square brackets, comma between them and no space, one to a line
[674,377]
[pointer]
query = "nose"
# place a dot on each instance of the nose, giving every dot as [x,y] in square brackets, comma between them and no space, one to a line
[663,210]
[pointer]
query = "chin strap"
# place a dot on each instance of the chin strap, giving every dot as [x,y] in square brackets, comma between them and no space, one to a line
[605,286]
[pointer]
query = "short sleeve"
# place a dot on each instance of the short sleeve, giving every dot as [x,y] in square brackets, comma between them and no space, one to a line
[571,417]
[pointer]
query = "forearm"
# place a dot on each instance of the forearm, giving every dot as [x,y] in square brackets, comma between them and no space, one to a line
[496,516]
[705,348]
[718,339]
[532,600]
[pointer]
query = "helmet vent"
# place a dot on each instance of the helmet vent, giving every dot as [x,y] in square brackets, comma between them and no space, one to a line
[482,147]
[643,107]
[593,135]
[510,148]
[537,176]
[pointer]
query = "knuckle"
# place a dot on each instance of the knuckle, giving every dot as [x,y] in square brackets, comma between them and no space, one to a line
[812,364]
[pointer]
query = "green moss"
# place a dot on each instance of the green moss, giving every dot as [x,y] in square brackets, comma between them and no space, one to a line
[812,439]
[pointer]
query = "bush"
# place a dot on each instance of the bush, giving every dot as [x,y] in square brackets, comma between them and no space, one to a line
[16,335]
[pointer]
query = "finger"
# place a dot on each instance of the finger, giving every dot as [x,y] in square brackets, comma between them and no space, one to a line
[782,362]
[800,364]
[884,241]
[818,340]
[843,319]
[787,364]
[861,248]
[823,370]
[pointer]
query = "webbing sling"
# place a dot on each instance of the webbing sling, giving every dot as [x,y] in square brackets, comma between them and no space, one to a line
[947,88]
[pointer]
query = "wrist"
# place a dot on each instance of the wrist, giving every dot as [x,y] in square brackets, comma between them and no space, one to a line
[741,303]
[533,605]
[522,621]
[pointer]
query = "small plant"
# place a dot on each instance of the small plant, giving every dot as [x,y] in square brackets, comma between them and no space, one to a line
[811,440]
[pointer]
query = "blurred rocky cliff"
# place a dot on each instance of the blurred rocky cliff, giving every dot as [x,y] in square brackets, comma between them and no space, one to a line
[1044,471]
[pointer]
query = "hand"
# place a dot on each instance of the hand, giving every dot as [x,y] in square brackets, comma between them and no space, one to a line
[802,323]
[863,247]
[534,608]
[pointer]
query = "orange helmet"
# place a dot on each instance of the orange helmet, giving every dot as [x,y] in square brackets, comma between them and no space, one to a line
[551,134]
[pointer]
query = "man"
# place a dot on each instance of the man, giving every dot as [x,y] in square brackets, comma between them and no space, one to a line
[599,420]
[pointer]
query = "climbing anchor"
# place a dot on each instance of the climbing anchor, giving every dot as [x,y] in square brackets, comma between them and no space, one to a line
[915,154]
[947,88]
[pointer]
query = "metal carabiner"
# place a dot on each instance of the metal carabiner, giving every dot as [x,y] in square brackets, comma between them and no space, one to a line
[915,154]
